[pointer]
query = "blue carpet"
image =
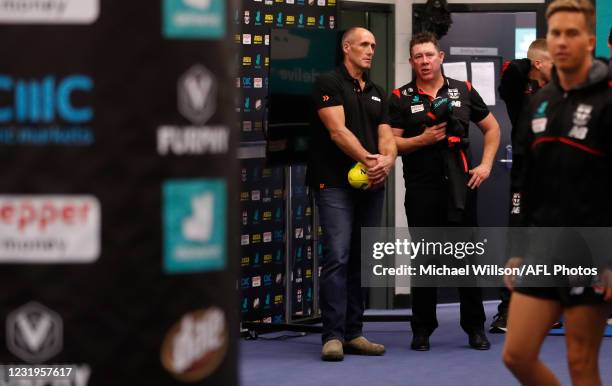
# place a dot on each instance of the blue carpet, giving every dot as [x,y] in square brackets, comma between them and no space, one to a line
[561,331]
[450,362]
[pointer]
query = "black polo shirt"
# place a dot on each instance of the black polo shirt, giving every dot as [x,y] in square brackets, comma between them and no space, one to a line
[364,110]
[408,108]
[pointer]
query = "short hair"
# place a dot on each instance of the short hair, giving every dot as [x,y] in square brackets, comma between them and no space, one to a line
[422,38]
[584,7]
[537,45]
[348,34]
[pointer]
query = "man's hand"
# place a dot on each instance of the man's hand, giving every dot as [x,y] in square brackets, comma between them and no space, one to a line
[605,282]
[513,262]
[433,134]
[380,171]
[479,174]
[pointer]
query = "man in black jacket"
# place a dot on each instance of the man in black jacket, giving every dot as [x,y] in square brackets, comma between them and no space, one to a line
[521,79]
[564,183]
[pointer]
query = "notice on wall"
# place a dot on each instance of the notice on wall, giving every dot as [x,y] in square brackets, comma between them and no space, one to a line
[483,80]
[456,70]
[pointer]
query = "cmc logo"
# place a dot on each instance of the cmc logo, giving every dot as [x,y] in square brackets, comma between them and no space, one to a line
[34,333]
[46,111]
[196,346]
[46,99]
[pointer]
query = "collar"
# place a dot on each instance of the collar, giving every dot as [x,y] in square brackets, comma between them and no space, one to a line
[365,76]
[418,90]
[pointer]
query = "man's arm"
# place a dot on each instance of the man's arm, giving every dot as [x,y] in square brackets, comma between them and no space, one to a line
[333,119]
[430,136]
[386,159]
[491,133]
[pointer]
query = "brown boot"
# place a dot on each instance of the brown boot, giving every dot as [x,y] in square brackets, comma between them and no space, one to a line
[362,346]
[332,351]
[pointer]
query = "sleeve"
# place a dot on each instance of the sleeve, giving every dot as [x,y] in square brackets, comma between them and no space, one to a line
[519,175]
[478,109]
[395,113]
[512,90]
[327,92]
[384,118]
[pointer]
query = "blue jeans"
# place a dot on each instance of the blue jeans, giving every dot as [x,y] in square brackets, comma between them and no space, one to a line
[342,213]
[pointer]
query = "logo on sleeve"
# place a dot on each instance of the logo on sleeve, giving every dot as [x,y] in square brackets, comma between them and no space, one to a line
[377,99]
[325,98]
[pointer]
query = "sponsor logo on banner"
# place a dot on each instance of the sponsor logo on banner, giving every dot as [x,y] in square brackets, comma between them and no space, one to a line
[267,237]
[246,39]
[258,39]
[255,195]
[258,18]
[332,22]
[34,333]
[331,3]
[237,38]
[244,305]
[244,196]
[197,101]
[257,260]
[258,82]
[246,61]
[267,259]
[49,11]
[321,3]
[267,40]
[245,282]
[194,224]
[256,238]
[258,61]
[245,261]
[196,345]
[247,17]
[268,2]
[279,19]
[269,18]
[278,299]
[290,20]
[49,229]
[246,82]
[247,104]
[192,19]
[256,280]
[247,126]
[46,111]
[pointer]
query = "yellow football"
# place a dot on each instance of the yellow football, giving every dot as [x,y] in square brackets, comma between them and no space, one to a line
[358,176]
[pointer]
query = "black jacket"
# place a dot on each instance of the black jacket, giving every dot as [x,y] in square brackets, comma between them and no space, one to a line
[565,142]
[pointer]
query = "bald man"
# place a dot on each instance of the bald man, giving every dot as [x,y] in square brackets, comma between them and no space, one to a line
[352,126]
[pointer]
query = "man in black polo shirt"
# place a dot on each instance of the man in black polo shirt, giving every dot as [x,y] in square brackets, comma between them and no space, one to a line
[352,125]
[428,186]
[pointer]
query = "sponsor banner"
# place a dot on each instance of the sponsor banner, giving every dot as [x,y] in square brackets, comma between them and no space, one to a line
[49,229]
[49,11]
[194,19]
[195,221]
[196,345]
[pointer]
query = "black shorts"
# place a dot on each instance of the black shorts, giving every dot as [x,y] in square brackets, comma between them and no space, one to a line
[567,296]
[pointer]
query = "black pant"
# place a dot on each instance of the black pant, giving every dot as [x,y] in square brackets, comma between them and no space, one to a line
[427,207]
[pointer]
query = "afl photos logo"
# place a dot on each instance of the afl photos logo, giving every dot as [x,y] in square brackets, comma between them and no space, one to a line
[196,346]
